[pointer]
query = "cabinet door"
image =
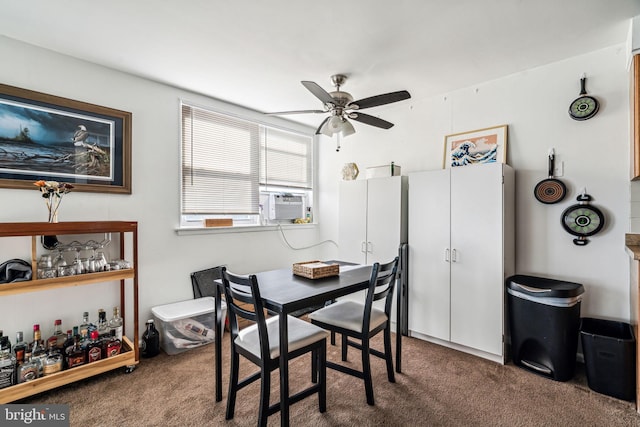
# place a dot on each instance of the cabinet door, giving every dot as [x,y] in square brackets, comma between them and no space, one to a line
[429,296]
[384,209]
[477,257]
[352,226]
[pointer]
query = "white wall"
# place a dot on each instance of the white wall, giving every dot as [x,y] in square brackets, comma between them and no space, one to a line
[533,103]
[165,258]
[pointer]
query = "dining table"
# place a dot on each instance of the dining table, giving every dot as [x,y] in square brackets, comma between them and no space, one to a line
[283,293]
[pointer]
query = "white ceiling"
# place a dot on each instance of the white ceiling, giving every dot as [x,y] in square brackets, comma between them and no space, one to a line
[255,53]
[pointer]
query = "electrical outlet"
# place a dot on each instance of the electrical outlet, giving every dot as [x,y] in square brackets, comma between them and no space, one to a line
[558,169]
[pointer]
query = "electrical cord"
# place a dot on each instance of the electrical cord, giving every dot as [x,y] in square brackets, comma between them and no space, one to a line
[304,247]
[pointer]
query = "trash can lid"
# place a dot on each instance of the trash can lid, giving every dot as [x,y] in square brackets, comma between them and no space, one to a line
[543,287]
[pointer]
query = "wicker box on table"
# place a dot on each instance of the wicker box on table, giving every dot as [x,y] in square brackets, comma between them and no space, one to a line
[315,269]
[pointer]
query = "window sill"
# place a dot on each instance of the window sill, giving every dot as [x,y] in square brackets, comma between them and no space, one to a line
[188,231]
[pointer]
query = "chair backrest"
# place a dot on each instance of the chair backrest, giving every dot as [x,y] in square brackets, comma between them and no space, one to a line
[244,289]
[381,285]
[202,282]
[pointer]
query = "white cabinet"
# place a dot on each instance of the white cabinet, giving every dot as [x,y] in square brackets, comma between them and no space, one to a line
[372,220]
[461,249]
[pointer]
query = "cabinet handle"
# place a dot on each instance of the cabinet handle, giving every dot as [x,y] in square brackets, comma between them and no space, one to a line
[454,255]
[370,247]
[446,255]
[363,249]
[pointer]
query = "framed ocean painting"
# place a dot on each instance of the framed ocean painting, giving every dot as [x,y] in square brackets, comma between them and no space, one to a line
[45,137]
[488,145]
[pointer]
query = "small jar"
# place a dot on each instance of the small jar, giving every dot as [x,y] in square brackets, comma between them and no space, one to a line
[46,273]
[45,261]
[66,270]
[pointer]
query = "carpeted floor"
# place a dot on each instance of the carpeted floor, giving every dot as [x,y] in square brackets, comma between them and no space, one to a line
[438,387]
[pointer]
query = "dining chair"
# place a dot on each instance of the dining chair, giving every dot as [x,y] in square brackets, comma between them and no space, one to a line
[260,344]
[362,322]
[203,282]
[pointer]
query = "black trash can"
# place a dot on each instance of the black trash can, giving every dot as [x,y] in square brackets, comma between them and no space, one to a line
[544,320]
[609,349]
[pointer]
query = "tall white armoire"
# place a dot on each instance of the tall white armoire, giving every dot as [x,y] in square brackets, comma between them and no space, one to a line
[372,224]
[461,250]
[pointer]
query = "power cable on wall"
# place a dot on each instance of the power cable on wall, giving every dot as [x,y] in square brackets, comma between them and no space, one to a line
[304,247]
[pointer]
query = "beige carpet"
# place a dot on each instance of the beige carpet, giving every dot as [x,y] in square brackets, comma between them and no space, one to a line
[438,387]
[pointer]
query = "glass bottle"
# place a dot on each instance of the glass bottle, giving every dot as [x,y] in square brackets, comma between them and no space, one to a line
[150,341]
[85,322]
[52,362]
[94,348]
[114,345]
[58,336]
[19,348]
[5,345]
[75,354]
[28,371]
[102,325]
[38,351]
[7,364]
[68,343]
[115,323]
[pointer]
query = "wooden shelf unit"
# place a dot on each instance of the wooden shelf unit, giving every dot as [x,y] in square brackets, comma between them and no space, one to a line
[131,354]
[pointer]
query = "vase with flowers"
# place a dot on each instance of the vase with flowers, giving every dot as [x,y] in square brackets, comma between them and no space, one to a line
[52,192]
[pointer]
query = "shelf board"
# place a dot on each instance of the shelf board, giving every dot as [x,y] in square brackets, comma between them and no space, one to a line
[63,282]
[8,229]
[20,391]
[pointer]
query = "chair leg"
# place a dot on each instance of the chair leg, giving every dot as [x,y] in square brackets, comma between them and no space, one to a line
[233,385]
[388,357]
[333,338]
[314,366]
[265,389]
[366,372]
[322,365]
[345,346]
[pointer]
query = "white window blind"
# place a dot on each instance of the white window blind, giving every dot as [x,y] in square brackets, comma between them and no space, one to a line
[220,156]
[286,159]
[227,161]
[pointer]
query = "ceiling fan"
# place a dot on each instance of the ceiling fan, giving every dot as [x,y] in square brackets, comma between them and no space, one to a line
[341,107]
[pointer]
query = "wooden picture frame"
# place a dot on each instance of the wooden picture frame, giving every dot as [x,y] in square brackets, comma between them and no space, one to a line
[488,145]
[46,137]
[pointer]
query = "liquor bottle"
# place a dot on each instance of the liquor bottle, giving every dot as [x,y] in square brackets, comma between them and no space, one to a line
[94,348]
[52,362]
[58,336]
[38,351]
[19,348]
[7,365]
[102,324]
[150,340]
[85,322]
[84,339]
[5,346]
[28,371]
[66,345]
[115,323]
[114,345]
[75,355]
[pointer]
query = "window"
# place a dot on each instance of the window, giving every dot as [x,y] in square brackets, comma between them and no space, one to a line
[230,166]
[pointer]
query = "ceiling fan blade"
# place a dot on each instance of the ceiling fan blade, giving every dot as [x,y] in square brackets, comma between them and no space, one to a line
[370,120]
[374,101]
[319,131]
[320,93]
[277,113]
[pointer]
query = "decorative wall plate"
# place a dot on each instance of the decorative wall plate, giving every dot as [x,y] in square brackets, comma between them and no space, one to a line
[582,220]
[583,107]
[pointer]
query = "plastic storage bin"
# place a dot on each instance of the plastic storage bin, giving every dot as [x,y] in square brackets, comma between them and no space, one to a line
[186,324]
[609,349]
[544,320]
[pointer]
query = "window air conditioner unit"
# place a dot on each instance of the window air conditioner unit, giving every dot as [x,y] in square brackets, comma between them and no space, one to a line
[285,206]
